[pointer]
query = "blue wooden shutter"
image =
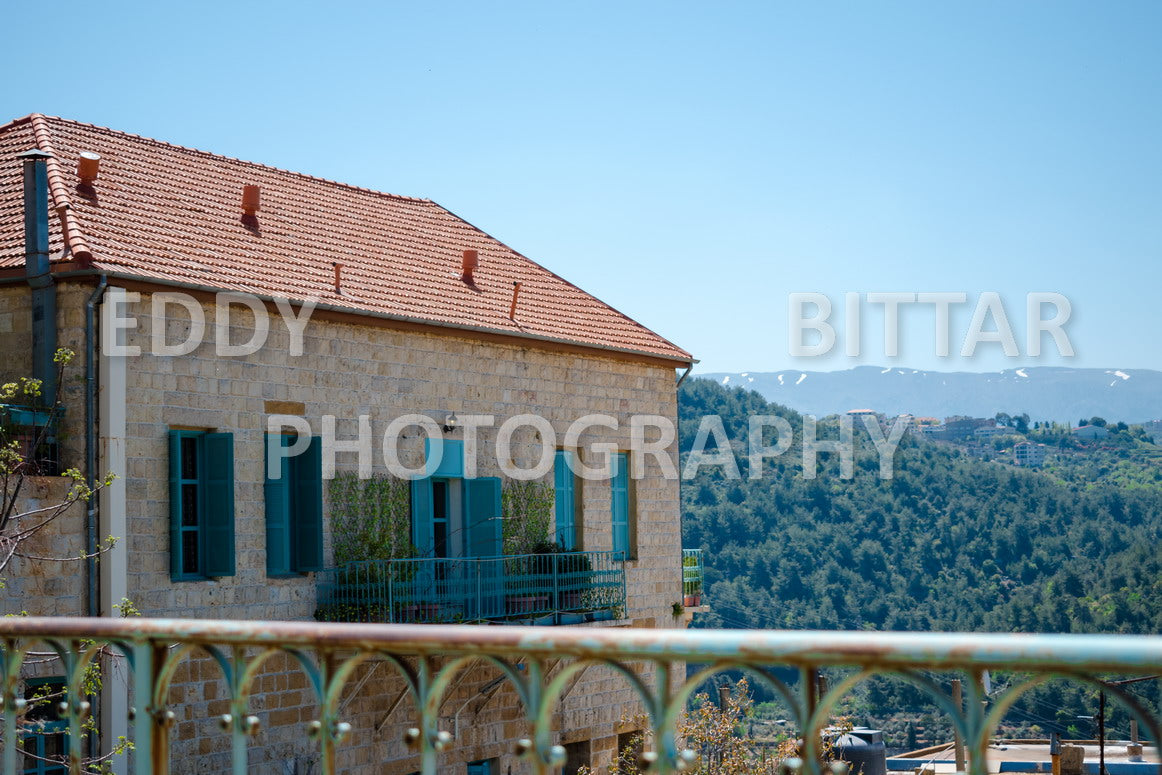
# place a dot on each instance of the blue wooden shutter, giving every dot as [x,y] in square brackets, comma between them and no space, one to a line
[308,507]
[451,462]
[482,517]
[175,505]
[423,532]
[278,515]
[218,495]
[620,496]
[564,500]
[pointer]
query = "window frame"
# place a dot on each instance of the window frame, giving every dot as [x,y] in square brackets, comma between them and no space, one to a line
[483,767]
[294,509]
[566,461]
[47,728]
[622,491]
[214,504]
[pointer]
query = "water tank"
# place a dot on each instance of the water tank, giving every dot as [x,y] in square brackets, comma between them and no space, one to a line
[863,750]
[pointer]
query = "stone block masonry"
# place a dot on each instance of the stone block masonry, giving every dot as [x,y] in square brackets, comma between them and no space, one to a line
[348,370]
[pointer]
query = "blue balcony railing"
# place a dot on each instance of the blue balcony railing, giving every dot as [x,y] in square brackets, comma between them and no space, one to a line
[692,576]
[562,588]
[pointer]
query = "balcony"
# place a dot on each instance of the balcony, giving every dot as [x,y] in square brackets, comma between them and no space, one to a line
[692,578]
[429,660]
[559,588]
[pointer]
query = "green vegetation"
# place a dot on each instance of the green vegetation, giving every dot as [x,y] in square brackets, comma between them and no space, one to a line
[370,518]
[949,543]
[528,510]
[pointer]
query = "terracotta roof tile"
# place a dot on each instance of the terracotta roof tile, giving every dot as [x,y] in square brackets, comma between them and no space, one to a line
[171,214]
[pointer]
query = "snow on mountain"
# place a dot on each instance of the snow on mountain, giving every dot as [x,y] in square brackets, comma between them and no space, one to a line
[1044,392]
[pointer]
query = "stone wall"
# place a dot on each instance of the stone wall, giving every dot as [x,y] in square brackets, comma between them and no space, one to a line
[43,587]
[348,370]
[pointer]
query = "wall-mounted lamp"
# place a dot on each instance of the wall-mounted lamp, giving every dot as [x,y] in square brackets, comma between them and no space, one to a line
[450,422]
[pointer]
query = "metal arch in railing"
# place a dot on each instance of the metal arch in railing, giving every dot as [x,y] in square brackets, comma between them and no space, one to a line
[330,654]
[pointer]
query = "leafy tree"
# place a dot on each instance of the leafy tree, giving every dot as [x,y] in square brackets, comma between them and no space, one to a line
[28,426]
[24,451]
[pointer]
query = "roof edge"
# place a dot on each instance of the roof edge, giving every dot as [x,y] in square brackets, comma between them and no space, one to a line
[643,355]
[77,246]
[542,267]
[74,235]
[201,152]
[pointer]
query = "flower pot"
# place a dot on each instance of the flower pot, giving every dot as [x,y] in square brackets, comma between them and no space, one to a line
[523,604]
[422,612]
[570,600]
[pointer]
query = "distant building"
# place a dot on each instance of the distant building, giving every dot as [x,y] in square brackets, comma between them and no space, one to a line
[1029,455]
[862,412]
[993,430]
[976,449]
[1091,432]
[960,428]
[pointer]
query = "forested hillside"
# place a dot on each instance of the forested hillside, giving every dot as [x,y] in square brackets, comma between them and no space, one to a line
[949,543]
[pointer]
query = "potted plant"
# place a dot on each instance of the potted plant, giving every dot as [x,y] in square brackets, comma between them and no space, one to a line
[691,583]
[529,579]
[575,574]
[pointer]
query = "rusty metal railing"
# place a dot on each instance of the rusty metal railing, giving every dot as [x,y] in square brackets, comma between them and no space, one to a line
[330,653]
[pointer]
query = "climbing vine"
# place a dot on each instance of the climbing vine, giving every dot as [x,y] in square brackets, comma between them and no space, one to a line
[370,518]
[528,509]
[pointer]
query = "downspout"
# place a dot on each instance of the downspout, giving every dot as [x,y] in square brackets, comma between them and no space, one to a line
[92,579]
[685,374]
[37,274]
[93,604]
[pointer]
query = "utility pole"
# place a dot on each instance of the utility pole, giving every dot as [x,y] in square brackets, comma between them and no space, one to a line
[958,743]
[1101,733]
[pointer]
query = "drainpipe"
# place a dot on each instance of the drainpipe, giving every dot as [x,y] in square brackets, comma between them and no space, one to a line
[93,604]
[36,270]
[685,374]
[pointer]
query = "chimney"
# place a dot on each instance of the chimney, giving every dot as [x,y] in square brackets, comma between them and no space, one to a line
[338,277]
[468,265]
[88,167]
[515,293]
[37,273]
[250,197]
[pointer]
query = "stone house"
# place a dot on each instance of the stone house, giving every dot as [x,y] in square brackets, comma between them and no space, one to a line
[225,312]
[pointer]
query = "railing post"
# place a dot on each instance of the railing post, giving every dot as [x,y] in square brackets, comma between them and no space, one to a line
[72,703]
[624,593]
[477,568]
[10,659]
[556,603]
[957,741]
[239,723]
[145,756]
[391,590]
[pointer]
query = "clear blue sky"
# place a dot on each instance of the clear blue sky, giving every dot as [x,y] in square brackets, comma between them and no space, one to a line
[691,164]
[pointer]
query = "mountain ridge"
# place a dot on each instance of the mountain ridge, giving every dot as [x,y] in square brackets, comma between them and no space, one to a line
[1060,393]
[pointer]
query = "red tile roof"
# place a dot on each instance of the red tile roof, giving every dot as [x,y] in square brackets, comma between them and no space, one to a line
[168,214]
